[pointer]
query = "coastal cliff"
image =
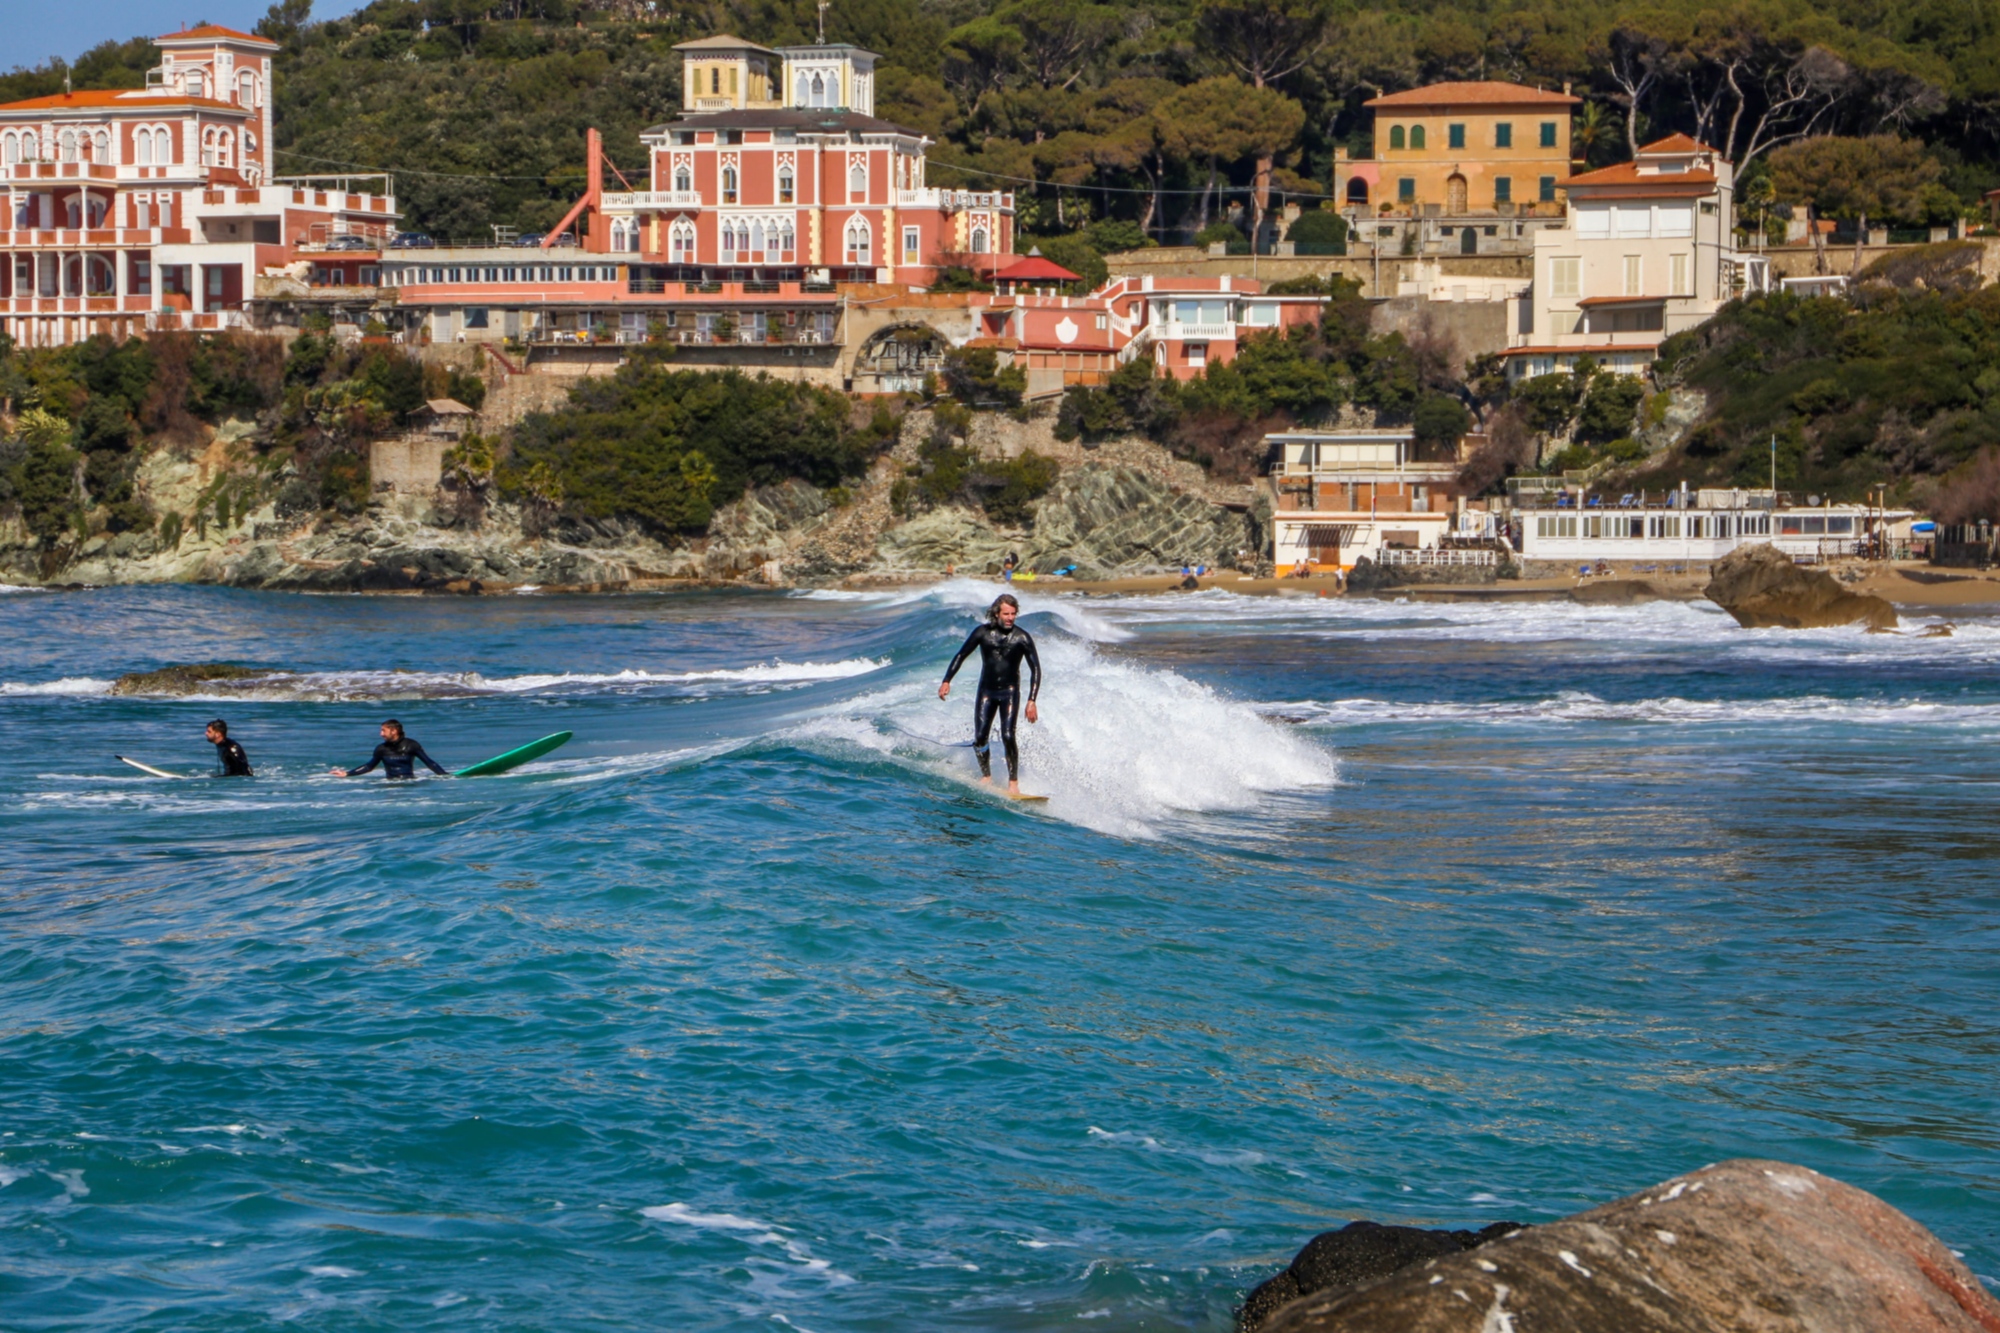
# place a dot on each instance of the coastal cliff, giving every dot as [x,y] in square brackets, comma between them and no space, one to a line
[1115,509]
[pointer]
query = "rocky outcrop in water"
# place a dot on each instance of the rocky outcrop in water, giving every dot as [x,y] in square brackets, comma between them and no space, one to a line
[1741,1247]
[1369,577]
[191,679]
[1761,587]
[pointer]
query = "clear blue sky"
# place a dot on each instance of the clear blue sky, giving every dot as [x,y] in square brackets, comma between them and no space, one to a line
[38,29]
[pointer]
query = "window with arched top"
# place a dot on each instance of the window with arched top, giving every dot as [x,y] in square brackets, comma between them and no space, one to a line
[788,241]
[197,85]
[787,187]
[979,240]
[66,142]
[10,149]
[1416,136]
[857,184]
[683,180]
[142,147]
[1396,136]
[729,185]
[680,243]
[804,93]
[860,248]
[246,89]
[31,146]
[818,91]
[100,146]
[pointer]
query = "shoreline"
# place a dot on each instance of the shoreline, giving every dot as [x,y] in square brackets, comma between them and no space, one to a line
[1916,588]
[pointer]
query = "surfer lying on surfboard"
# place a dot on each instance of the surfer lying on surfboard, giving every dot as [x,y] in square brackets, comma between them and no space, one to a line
[398,755]
[1001,644]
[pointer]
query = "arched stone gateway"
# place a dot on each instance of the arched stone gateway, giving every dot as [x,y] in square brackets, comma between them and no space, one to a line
[898,357]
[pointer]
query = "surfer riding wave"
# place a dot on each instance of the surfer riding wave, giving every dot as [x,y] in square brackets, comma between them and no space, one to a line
[1002,646]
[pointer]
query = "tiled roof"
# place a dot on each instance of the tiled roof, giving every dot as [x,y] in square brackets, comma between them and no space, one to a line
[724,42]
[1485,92]
[214,32]
[1677,143]
[124,98]
[1627,173]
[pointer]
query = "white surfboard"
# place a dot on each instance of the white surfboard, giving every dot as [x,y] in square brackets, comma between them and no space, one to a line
[144,768]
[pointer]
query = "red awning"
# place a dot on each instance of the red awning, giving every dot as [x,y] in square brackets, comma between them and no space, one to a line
[1034,268]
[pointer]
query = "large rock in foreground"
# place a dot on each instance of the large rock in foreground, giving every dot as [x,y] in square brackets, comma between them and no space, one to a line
[1763,589]
[1359,1252]
[1743,1247]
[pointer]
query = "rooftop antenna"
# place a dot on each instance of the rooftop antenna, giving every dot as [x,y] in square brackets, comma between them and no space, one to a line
[824,5]
[65,83]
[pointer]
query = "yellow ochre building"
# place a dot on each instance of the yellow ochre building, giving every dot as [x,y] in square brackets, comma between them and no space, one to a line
[1472,167]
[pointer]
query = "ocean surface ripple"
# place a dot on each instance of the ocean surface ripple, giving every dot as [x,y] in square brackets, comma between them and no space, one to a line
[748,1009]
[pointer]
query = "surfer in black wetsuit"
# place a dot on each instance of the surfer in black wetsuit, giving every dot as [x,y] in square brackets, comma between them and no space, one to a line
[1002,645]
[397,754]
[235,763]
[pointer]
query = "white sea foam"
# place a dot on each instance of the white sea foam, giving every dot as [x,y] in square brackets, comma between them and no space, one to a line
[10,1174]
[331,1270]
[1575,706]
[755,1233]
[69,685]
[345,686]
[1120,747]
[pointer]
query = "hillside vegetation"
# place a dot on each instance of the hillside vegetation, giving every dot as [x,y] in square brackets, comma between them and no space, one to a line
[1156,116]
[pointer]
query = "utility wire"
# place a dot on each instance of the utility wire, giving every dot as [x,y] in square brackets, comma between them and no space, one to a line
[1222,188]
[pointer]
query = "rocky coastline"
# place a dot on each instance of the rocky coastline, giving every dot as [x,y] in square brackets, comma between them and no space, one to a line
[1123,509]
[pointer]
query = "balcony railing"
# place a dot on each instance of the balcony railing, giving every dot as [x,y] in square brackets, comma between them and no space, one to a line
[637,200]
[953,199]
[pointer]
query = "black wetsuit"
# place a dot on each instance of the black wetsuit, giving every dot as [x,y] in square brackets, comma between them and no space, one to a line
[1000,654]
[398,759]
[235,763]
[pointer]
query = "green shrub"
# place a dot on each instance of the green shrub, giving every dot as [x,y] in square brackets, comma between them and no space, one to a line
[666,447]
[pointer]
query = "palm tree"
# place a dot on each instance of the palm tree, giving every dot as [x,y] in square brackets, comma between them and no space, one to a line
[1591,132]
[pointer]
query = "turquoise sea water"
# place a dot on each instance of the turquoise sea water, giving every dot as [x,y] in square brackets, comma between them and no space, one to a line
[745,1010]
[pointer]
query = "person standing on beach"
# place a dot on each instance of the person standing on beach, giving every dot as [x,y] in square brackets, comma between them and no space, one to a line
[1002,645]
[228,754]
[398,755]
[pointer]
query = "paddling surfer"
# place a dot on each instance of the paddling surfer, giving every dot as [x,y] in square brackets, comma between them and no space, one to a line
[228,754]
[398,755]
[1002,645]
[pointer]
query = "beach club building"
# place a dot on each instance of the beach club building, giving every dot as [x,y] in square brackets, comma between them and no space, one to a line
[1339,497]
[1679,527]
[157,207]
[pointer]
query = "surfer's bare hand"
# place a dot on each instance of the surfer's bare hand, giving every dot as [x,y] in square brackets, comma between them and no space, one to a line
[944,690]
[338,772]
[1031,710]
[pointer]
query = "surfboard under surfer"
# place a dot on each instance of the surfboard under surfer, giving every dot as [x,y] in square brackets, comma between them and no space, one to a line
[228,754]
[1002,646]
[398,755]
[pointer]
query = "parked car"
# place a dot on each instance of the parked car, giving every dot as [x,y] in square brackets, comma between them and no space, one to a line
[412,240]
[350,243]
[533,238]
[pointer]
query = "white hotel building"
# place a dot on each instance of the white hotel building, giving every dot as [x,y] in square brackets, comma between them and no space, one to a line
[1649,250]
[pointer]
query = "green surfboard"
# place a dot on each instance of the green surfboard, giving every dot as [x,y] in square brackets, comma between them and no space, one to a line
[515,758]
